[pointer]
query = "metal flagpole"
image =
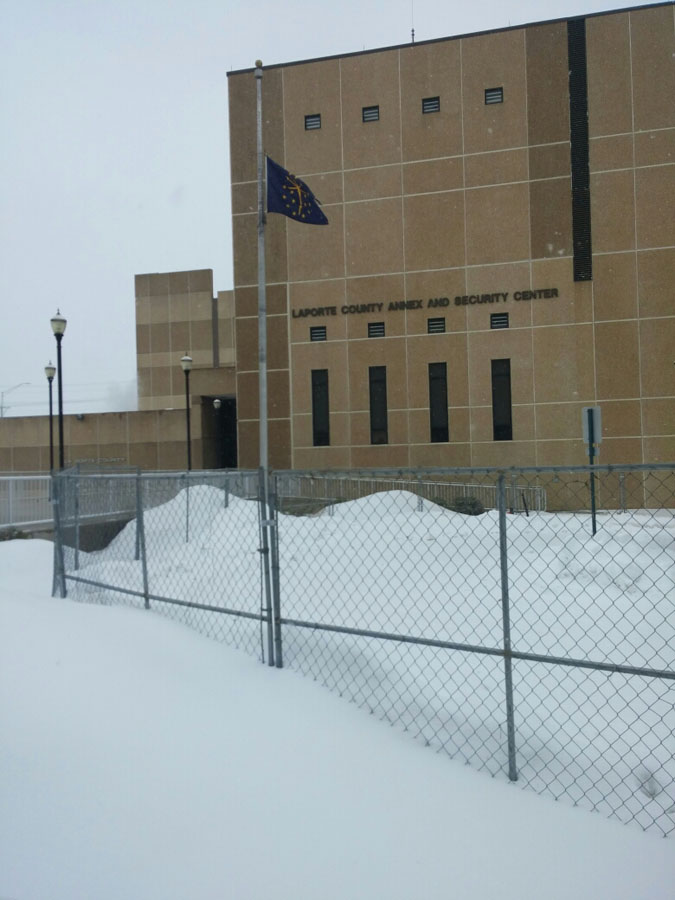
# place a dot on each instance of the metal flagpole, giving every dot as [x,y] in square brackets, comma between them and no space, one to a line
[265,518]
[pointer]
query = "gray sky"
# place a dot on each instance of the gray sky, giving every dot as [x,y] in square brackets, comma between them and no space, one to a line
[114,155]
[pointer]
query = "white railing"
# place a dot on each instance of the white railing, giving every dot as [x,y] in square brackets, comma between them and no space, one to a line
[25,500]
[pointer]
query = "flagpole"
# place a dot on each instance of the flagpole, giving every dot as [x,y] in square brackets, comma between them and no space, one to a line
[265,512]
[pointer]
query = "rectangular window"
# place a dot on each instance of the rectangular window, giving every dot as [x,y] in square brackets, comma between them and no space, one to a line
[370,113]
[502,428]
[494,95]
[320,416]
[438,402]
[377,377]
[313,122]
[431,104]
[317,333]
[375,329]
[436,326]
[499,320]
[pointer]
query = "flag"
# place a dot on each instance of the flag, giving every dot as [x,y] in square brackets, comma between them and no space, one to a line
[290,196]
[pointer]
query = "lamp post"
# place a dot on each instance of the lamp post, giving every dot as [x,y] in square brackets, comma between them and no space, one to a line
[186,363]
[58,327]
[50,371]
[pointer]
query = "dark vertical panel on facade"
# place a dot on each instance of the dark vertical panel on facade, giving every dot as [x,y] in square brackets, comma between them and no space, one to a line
[502,425]
[377,377]
[581,195]
[320,409]
[438,402]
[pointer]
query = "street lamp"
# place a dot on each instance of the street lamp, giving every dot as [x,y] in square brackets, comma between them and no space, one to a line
[59,327]
[186,363]
[50,371]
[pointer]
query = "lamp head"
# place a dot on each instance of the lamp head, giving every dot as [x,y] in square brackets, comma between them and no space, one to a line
[186,363]
[50,371]
[58,323]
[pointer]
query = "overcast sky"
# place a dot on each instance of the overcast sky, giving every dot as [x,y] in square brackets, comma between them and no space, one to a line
[114,155]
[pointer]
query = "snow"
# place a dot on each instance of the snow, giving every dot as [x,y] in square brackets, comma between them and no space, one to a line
[139,759]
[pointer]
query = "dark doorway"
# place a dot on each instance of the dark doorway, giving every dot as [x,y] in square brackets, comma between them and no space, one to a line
[219,432]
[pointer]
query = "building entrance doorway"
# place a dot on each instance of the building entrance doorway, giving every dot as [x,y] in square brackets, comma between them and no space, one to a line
[219,432]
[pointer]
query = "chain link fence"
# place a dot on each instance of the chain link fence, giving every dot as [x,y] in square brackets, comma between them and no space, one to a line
[522,621]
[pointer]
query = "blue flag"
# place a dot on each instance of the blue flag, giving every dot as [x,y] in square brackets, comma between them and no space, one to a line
[290,196]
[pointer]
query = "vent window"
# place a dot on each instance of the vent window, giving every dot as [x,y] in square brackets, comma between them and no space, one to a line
[436,326]
[499,320]
[379,430]
[313,122]
[375,329]
[320,409]
[370,113]
[317,333]
[431,104]
[494,95]
[438,403]
[502,426]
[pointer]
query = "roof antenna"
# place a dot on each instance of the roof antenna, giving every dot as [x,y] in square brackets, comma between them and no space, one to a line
[412,20]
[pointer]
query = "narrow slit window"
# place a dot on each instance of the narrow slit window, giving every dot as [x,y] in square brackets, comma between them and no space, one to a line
[436,326]
[317,333]
[499,320]
[313,122]
[377,379]
[494,95]
[502,425]
[320,410]
[375,329]
[438,403]
[431,105]
[370,113]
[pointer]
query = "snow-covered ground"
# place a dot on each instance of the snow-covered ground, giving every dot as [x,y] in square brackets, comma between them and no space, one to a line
[606,742]
[140,760]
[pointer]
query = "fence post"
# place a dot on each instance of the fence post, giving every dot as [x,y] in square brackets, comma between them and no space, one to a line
[77,520]
[59,562]
[276,581]
[506,626]
[187,508]
[140,539]
[265,554]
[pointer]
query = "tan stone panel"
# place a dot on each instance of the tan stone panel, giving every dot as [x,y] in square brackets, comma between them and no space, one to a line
[440,455]
[247,395]
[430,285]
[373,237]
[653,50]
[339,430]
[309,89]
[247,344]
[501,167]
[179,308]
[322,458]
[360,428]
[659,449]
[242,117]
[504,453]
[245,250]
[432,176]
[327,187]
[214,382]
[655,189]
[179,282]
[489,61]
[314,295]
[485,346]
[612,212]
[302,431]
[497,224]
[614,152]
[547,83]
[159,310]
[201,306]
[316,251]
[656,270]
[141,286]
[306,357]
[201,338]
[563,364]
[142,311]
[373,183]
[657,343]
[172,455]
[280,444]
[551,218]
[368,80]
[277,342]
[278,395]
[248,452]
[480,423]
[523,422]
[447,348]
[620,418]
[244,198]
[434,230]
[161,380]
[159,336]
[561,453]
[158,284]
[575,298]
[381,291]
[83,431]
[617,371]
[28,459]
[142,339]
[383,456]
[170,425]
[653,148]
[549,160]
[431,70]
[144,455]
[608,72]
[362,355]
[179,336]
[615,286]
[418,426]
[617,451]
[142,427]
[112,427]
[556,421]
[6,463]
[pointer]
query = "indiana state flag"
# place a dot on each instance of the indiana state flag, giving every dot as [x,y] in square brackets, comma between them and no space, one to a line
[290,196]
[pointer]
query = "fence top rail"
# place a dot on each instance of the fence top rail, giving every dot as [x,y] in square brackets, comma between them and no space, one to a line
[393,473]
[192,475]
[38,476]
